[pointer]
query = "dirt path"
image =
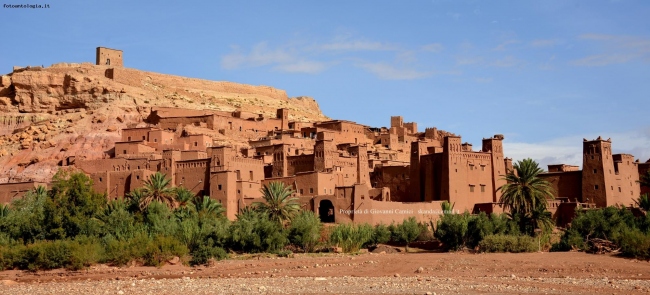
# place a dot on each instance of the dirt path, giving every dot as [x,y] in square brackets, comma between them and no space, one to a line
[399,273]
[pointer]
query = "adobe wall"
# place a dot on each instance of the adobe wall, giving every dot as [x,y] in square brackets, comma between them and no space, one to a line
[223,188]
[11,191]
[624,188]
[396,179]
[565,185]
[137,78]
[378,212]
[136,134]
[643,169]
[596,177]
[193,175]
[109,57]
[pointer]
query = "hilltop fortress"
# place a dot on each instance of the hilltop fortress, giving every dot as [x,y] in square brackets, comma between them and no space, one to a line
[342,170]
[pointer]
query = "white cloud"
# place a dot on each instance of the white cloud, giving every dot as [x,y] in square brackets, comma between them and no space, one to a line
[543,43]
[468,60]
[260,55]
[310,67]
[286,60]
[388,72]
[507,62]
[617,49]
[433,47]
[351,45]
[502,46]
[568,150]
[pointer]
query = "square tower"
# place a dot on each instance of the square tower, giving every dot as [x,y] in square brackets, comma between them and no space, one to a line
[109,57]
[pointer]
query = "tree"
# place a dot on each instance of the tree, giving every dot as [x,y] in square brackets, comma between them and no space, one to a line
[156,188]
[539,218]
[72,206]
[207,206]
[278,205]
[643,202]
[525,191]
[447,208]
[183,196]
[408,231]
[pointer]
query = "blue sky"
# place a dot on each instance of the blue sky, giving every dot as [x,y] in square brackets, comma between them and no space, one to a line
[543,73]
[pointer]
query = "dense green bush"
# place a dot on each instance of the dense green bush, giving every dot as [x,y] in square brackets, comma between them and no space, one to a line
[635,243]
[351,237]
[508,243]
[608,223]
[163,248]
[206,251]
[381,234]
[255,232]
[451,230]
[304,230]
[408,231]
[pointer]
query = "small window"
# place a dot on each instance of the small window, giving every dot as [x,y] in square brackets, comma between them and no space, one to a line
[144,137]
[301,191]
[482,168]
[196,143]
[155,140]
[108,61]
[124,151]
[324,191]
[330,191]
[482,188]
[100,179]
[250,176]
[137,177]
[471,167]
[619,189]
[311,190]
[219,187]
[595,171]
[592,157]
[239,191]
[471,188]
[595,187]
[129,138]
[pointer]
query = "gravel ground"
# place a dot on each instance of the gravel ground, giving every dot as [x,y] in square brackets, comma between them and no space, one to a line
[337,285]
[399,273]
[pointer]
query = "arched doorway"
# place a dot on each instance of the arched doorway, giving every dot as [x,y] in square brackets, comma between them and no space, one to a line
[326,211]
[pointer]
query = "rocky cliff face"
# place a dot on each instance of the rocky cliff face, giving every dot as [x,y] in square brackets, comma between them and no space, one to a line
[49,115]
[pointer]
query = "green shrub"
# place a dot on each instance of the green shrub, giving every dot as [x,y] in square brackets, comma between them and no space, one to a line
[607,223]
[451,230]
[508,243]
[163,248]
[381,234]
[408,231]
[304,230]
[84,252]
[635,244]
[351,237]
[206,251]
[254,232]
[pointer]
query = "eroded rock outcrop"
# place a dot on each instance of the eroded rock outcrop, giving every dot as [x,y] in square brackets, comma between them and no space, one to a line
[66,111]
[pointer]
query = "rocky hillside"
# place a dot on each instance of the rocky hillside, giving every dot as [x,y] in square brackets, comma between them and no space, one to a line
[50,114]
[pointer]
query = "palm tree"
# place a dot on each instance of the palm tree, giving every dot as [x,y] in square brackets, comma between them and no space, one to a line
[540,218]
[156,188]
[525,191]
[183,196]
[447,208]
[208,206]
[279,205]
[643,202]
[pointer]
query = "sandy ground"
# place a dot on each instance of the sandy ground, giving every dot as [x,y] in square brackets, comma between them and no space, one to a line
[369,273]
